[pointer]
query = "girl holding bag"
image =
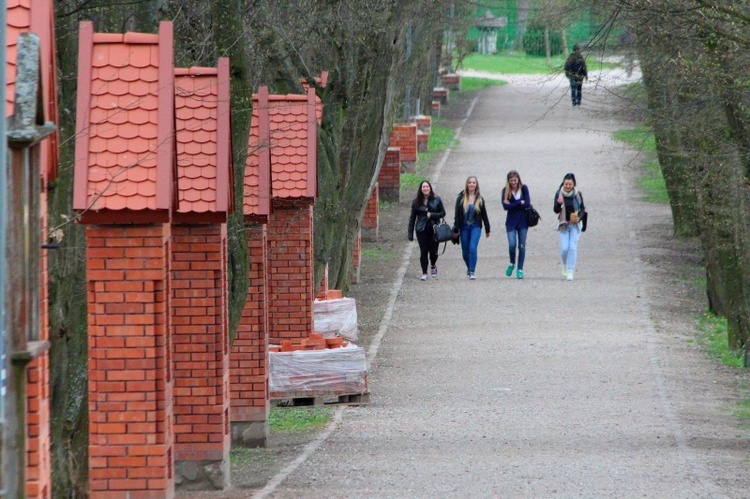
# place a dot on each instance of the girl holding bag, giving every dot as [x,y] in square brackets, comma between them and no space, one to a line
[570,210]
[515,200]
[426,210]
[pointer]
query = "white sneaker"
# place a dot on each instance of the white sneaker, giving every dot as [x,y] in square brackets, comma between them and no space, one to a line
[423,278]
[471,276]
[569,276]
[565,270]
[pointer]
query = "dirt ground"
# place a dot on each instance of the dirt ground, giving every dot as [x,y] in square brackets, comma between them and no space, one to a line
[696,394]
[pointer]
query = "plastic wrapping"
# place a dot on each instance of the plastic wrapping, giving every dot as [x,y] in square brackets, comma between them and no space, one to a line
[336,317]
[318,372]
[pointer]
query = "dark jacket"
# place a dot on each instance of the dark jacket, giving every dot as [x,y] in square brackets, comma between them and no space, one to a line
[570,206]
[516,217]
[575,67]
[418,218]
[459,215]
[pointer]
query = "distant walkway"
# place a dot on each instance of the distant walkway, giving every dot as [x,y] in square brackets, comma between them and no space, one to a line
[523,388]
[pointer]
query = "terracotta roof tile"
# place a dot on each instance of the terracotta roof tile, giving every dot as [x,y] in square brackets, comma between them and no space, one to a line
[199,107]
[121,115]
[288,122]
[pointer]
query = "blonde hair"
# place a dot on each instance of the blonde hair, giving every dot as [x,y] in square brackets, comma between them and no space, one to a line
[508,189]
[477,196]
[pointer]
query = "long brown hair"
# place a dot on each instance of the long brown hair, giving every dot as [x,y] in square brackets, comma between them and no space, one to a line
[508,189]
[477,196]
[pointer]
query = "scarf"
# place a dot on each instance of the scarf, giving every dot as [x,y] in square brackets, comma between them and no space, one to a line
[562,217]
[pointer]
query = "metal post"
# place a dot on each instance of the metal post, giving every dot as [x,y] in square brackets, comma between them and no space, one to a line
[3,198]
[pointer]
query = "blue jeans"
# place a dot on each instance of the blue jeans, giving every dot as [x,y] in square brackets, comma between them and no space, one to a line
[569,245]
[470,235]
[517,237]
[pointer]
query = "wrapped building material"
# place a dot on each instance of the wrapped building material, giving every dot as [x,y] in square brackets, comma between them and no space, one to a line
[336,317]
[332,371]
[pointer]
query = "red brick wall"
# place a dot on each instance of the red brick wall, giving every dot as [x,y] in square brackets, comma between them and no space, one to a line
[389,179]
[200,343]
[38,469]
[290,248]
[248,359]
[370,218]
[130,383]
[404,136]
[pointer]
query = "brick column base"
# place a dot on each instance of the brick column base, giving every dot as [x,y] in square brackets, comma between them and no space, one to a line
[370,219]
[131,451]
[248,358]
[200,356]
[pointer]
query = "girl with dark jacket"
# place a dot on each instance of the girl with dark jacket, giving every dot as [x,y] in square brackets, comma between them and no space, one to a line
[470,215]
[426,210]
[515,200]
[570,210]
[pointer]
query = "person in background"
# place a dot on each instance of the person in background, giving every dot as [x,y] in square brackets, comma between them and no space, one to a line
[470,217]
[515,200]
[426,210]
[569,207]
[576,72]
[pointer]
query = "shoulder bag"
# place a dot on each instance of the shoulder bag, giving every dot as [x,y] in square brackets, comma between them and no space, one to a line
[532,216]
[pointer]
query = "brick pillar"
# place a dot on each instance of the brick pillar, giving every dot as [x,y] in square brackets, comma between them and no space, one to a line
[389,179]
[130,379]
[357,258]
[440,94]
[424,123]
[291,293]
[404,136]
[422,141]
[370,217]
[38,465]
[451,81]
[200,356]
[249,355]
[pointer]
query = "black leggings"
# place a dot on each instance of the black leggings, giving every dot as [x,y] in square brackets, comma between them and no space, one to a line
[427,244]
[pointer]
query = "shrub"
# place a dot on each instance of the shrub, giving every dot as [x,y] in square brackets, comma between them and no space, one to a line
[533,41]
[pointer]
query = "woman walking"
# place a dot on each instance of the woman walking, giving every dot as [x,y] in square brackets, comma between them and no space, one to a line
[570,209]
[470,216]
[515,200]
[426,209]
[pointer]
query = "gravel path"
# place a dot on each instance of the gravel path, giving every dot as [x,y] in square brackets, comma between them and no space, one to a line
[538,387]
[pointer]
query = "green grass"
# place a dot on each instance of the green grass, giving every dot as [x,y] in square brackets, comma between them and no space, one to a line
[376,252]
[652,181]
[470,84]
[714,338]
[440,139]
[641,137]
[515,63]
[288,419]
[244,455]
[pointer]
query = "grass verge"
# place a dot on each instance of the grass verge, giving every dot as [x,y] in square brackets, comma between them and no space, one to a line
[714,338]
[471,84]
[440,139]
[652,180]
[518,63]
[288,419]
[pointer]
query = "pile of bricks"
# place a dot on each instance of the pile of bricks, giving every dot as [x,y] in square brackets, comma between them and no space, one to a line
[440,94]
[451,81]
[313,342]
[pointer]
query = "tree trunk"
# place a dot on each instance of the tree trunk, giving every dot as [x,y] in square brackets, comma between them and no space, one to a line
[522,17]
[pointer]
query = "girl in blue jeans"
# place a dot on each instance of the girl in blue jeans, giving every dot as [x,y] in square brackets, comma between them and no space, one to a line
[570,209]
[470,216]
[515,200]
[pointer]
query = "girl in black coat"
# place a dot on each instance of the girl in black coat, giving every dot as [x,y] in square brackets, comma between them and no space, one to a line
[426,210]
